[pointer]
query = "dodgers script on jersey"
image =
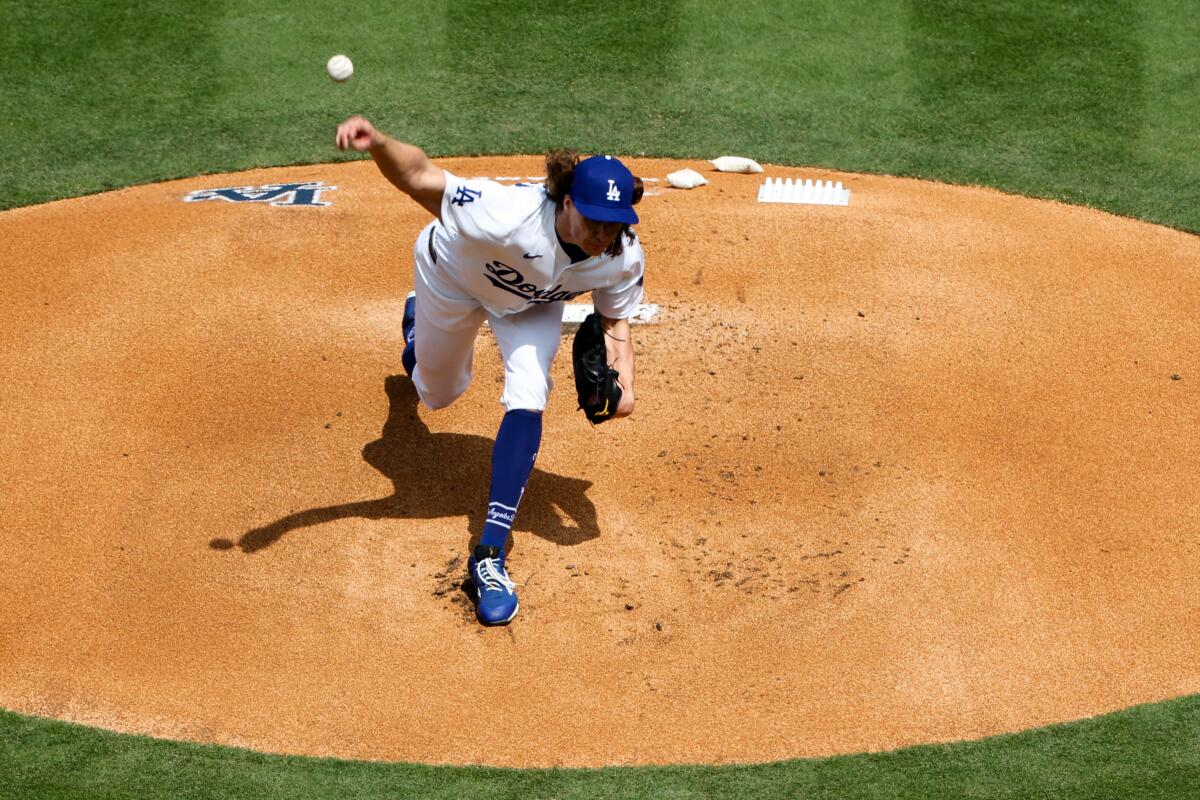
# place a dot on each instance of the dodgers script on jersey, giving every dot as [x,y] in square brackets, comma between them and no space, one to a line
[498,243]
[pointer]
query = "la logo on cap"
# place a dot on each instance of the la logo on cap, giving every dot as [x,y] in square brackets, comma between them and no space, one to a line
[602,189]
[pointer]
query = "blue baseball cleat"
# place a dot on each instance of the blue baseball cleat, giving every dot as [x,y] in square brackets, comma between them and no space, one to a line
[496,594]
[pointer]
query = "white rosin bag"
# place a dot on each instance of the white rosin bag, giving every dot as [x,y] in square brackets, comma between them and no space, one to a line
[735,164]
[686,179]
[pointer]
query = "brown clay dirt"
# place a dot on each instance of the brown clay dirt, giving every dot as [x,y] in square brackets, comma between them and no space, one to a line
[913,470]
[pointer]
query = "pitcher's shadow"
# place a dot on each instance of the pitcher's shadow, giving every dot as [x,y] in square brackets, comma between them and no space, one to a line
[441,475]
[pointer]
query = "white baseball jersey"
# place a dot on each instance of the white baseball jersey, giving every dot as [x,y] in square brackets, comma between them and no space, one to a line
[498,244]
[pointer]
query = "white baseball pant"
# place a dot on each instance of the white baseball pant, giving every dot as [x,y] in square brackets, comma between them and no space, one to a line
[447,320]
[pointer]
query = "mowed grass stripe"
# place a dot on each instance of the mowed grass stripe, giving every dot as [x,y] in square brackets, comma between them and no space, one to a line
[1090,103]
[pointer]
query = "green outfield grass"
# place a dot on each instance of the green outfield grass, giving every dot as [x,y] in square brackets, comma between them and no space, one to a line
[1088,102]
[1150,752]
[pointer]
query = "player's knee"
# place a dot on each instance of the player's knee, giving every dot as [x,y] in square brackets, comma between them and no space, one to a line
[436,393]
[433,402]
[529,394]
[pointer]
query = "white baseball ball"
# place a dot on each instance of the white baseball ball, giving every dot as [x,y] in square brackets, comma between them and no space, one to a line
[339,68]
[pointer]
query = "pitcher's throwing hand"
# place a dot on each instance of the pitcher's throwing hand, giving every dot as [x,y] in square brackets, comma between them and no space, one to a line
[357,133]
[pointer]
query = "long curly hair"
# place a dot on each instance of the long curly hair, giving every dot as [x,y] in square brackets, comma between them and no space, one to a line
[560,175]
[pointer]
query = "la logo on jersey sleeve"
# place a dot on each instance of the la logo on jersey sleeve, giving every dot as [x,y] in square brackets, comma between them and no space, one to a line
[463,195]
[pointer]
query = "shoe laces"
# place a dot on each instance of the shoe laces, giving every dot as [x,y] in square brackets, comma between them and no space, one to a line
[491,572]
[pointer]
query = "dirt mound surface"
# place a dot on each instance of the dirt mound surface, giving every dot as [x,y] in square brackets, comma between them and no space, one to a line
[917,469]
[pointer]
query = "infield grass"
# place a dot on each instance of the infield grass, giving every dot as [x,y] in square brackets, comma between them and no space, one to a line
[1092,103]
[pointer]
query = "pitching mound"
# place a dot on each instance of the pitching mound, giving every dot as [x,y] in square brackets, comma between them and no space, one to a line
[918,469]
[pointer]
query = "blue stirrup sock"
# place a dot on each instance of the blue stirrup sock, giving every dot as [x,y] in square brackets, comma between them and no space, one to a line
[408,327]
[409,358]
[513,454]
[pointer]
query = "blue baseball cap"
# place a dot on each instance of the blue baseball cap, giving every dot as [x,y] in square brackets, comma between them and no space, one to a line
[602,190]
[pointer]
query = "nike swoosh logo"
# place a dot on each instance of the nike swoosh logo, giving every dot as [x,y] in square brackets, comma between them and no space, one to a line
[539,255]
